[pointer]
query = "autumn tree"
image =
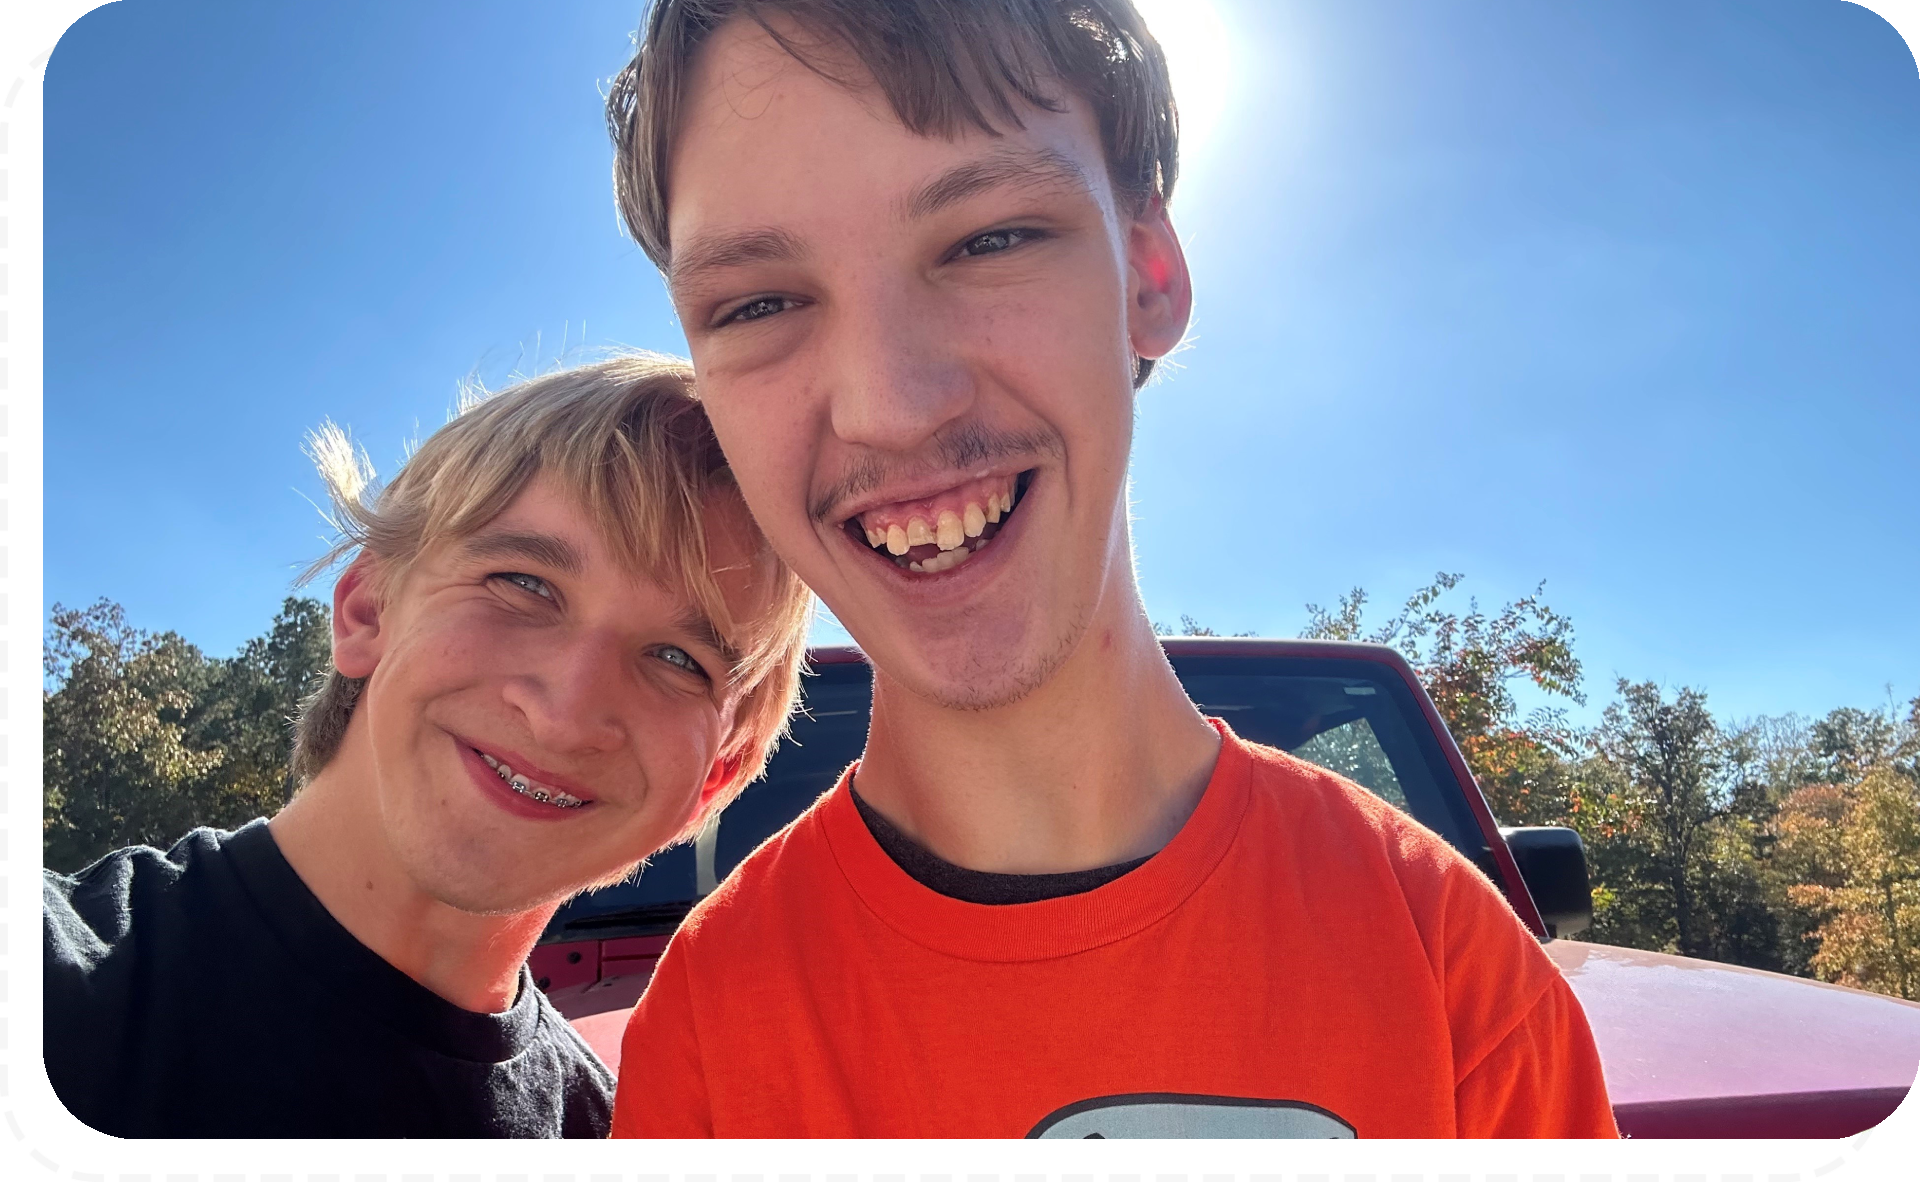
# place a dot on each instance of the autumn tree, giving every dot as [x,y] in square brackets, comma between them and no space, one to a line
[1870,931]
[1469,663]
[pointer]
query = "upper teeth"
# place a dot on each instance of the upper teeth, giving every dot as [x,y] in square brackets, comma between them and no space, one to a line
[950,530]
[530,788]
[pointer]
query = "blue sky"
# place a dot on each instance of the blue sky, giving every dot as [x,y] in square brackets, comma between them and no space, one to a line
[1620,297]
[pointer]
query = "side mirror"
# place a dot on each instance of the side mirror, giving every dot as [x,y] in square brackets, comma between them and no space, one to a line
[1553,864]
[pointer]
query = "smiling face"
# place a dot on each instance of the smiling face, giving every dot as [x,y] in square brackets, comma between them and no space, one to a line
[918,353]
[537,718]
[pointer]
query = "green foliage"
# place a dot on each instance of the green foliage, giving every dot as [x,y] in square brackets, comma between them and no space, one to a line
[1468,664]
[119,768]
[147,737]
[1667,756]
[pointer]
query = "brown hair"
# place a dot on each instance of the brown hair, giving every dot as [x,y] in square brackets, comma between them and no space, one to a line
[944,65]
[628,438]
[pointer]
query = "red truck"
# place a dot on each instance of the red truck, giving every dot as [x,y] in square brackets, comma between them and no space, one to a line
[1691,1048]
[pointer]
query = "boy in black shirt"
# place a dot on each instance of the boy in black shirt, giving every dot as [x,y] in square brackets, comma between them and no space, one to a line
[560,641]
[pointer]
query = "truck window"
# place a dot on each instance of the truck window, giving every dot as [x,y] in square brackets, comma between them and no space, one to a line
[1353,717]
[1352,750]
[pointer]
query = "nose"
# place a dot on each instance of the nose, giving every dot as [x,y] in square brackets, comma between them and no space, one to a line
[896,370]
[573,701]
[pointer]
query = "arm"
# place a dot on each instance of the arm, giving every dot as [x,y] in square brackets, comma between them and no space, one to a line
[662,1091]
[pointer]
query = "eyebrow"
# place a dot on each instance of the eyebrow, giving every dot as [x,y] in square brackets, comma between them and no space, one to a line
[766,244]
[545,549]
[1026,168]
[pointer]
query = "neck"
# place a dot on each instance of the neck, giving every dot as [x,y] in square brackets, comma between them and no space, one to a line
[1101,764]
[331,835]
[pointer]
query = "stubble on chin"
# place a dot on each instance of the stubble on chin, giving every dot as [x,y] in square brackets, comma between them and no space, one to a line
[980,682]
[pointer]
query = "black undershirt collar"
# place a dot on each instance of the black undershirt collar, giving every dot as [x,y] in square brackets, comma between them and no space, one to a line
[937,874]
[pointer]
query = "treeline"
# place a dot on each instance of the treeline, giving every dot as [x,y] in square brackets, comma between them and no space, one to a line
[147,737]
[1780,843]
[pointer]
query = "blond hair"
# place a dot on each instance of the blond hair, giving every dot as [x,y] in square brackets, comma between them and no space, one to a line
[628,439]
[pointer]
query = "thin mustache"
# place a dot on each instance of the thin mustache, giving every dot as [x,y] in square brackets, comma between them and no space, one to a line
[958,449]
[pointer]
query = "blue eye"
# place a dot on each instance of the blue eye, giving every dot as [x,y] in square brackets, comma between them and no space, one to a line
[678,657]
[525,582]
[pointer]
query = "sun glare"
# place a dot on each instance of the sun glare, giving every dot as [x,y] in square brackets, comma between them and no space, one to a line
[1200,61]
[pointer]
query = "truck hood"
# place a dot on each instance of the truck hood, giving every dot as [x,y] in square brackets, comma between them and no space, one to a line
[1681,1037]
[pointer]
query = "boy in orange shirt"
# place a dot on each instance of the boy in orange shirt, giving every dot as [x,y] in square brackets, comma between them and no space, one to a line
[922,255]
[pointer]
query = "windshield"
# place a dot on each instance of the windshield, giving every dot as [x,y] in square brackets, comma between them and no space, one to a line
[1354,717]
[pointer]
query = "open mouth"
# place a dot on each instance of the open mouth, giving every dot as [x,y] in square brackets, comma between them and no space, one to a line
[530,788]
[941,532]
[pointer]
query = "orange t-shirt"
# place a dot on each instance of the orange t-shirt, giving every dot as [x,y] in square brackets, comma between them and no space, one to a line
[1301,960]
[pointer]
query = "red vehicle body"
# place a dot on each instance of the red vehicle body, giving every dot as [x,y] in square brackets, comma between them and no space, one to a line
[1690,1048]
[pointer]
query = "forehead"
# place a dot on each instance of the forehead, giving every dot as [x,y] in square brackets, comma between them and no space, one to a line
[764,140]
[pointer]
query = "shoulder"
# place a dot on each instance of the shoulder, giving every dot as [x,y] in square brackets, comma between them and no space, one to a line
[1314,804]
[1362,842]
[1375,866]
[583,1072]
[92,909]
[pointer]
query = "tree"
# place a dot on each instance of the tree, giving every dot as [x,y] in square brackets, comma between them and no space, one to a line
[147,737]
[1189,627]
[1468,664]
[249,705]
[1670,756]
[1870,934]
[119,767]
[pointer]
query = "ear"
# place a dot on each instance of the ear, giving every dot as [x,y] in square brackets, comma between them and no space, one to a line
[358,642]
[1159,289]
[719,776]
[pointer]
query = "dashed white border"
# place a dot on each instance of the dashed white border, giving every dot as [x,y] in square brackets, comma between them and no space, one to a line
[47,1163]
[12,1123]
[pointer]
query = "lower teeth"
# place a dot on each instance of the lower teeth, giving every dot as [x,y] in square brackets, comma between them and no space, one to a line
[945,560]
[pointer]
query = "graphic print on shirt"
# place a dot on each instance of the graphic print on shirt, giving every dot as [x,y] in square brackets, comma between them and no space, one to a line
[1172,1114]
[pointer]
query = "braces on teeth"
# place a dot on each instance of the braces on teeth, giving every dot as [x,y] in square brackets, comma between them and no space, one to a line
[529,789]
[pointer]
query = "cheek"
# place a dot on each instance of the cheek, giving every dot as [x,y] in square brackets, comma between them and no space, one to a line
[444,658]
[430,675]
[1069,363]
[1057,337]
[760,421]
[675,746]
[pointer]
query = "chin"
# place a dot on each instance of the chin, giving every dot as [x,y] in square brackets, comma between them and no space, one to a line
[989,668]
[475,875]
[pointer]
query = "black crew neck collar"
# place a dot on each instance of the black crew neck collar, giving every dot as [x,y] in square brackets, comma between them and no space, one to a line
[979,886]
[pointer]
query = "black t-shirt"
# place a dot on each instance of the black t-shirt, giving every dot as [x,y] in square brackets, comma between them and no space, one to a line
[205,992]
